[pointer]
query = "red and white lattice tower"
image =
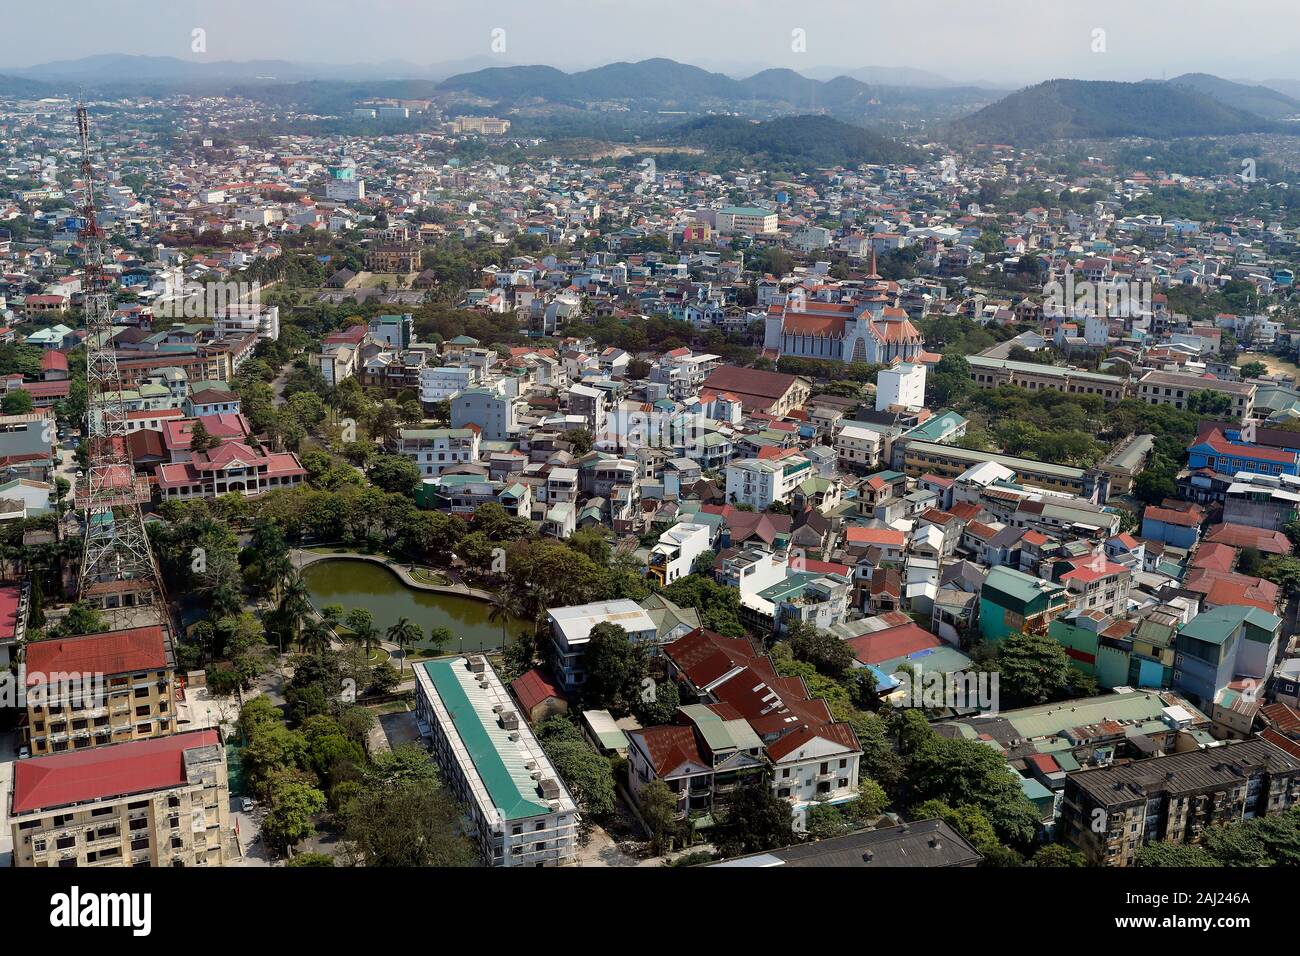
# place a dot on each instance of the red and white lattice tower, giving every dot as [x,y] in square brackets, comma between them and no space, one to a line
[118,573]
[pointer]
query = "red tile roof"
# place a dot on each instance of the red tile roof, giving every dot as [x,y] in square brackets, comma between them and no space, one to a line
[892,642]
[1216,557]
[1244,536]
[1184,519]
[10,596]
[1281,742]
[669,746]
[886,536]
[112,652]
[534,688]
[139,766]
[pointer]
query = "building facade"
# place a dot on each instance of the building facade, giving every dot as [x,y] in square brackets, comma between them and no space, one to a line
[160,802]
[520,811]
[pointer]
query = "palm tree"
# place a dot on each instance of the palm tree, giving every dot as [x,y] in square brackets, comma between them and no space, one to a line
[362,625]
[404,634]
[278,569]
[295,605]
[315,638]
[506,606]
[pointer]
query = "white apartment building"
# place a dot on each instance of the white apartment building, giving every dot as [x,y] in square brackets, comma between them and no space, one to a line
[858,445]
[345,190]
[520,811]
[903,385]
[445,381]
[240,320]
[760,482]
[678,547]
[747,220]
[571,630]
[435,449]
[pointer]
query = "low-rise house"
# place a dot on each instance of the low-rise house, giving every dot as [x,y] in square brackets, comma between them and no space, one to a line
[1012,601]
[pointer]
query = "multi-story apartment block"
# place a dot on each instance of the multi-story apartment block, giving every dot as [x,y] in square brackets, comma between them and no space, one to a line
[990,373]
[761,482]
[496,414]
[520,811]
[571,631]
[97,689]
[238,320]
[918,458]
[160,802]
[445,381]
[746,220]
[1176,388]
[1111,812]
[435,449]
[487,125]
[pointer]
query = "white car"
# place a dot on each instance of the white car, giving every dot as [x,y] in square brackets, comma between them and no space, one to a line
[23,753]
[246,804]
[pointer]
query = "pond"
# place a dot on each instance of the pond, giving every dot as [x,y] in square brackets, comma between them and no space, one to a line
[365,584]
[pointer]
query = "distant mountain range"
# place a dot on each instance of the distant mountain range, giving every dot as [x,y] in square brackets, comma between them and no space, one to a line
[1194,104]
[660,81]
[1191,105]
[1260,100]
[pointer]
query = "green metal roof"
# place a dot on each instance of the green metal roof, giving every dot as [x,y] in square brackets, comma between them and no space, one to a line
[936,428]
[1049,720]
[512,790]
[1037,368]
[1020,586]
[722,734]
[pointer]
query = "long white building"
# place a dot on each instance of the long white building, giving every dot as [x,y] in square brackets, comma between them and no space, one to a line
[520,809]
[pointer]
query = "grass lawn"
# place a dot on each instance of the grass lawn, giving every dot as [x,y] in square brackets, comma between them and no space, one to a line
[428,576]
[391,707]
[377,656]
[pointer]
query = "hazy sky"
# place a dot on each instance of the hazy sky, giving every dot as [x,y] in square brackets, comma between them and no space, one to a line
[1005,41]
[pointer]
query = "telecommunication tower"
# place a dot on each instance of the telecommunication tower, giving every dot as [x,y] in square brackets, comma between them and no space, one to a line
[118,572]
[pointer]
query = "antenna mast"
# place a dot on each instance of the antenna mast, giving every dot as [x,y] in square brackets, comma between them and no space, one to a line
[118,573]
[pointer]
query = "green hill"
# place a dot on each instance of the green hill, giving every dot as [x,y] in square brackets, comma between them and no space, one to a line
[1259,100]
[1088,109]
[807,141]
